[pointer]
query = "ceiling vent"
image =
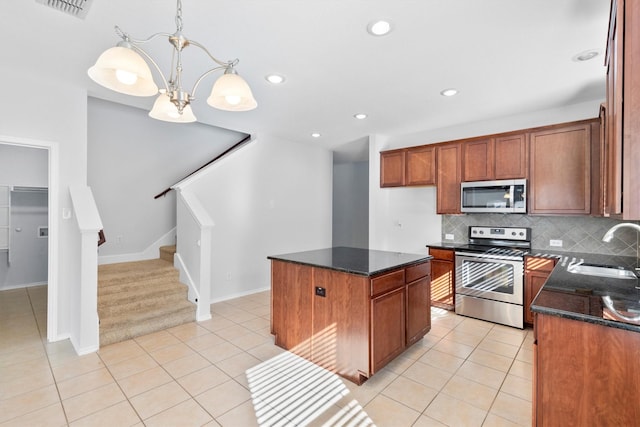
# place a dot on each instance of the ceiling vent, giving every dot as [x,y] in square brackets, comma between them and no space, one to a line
[77,8]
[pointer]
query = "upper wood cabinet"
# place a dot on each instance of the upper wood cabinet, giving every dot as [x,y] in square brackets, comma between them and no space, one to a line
[560,170]
[495,158]
[420,165]
[392,168]
[622,122]
[448,177]
[478,160]
[408,166]
[511,157]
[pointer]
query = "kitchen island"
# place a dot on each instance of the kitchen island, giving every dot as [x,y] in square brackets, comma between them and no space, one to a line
[349,310]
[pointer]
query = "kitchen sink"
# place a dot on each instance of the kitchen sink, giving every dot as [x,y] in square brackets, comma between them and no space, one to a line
[610,271]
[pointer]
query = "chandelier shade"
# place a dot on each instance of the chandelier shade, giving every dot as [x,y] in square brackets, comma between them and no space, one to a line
[125,69]
[165,110]
[231,93]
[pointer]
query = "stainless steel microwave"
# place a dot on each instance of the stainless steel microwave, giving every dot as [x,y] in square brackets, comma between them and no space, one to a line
[504,196]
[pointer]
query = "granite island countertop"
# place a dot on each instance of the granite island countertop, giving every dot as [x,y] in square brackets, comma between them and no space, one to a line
[364,262]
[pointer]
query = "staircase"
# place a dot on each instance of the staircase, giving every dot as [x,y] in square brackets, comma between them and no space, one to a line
[137,298]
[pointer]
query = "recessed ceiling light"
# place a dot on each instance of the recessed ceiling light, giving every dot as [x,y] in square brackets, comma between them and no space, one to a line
[449,92]
[360,116]
[315,135]
[586,55]
[379,27]
[276,79]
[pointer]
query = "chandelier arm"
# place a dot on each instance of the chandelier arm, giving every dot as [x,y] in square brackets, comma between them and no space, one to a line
[225,64]
[150,59]
[125,36]
[205,74]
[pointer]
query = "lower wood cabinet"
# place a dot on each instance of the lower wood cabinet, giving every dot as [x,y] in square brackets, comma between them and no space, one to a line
[585,374]
[387,327]
[442,278]
[350,324]
[536,272]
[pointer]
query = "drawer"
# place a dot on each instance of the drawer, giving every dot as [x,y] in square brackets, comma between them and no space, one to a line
[444,254]
[387,282]
[417,271]
[539,263]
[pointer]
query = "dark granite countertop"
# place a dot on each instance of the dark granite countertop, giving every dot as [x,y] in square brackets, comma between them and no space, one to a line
[578,296]
[364,262]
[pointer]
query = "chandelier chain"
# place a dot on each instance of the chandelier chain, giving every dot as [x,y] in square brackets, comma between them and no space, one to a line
[179,16]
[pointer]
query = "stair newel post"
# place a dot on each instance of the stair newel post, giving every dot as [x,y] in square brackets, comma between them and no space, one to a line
[194,232]
[84,314]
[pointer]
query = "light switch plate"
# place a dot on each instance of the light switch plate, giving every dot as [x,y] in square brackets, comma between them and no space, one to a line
[448,237]
[555,243]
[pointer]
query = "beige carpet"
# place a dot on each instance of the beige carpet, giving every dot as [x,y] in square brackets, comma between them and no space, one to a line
[137,298]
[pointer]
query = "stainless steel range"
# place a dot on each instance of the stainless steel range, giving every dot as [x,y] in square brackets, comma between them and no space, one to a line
[490,274]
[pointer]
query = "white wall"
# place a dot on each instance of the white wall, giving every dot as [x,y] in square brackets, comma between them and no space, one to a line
[23,166]
[404,219]
[27,167]
[270,197]
[53,112]
[351,204]
[28,252]
[131,159]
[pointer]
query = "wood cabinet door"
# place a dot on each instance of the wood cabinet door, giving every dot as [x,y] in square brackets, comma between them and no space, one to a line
[418,309]
[533,282]
[392,167]
[387,328]
[560,165]
[420,166]
[340,340]
[442,284]
[478,160]
[291,290]
[448,178]
[586,374]
[511,157]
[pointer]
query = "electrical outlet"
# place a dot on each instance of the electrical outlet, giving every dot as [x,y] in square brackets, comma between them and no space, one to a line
[448,237]
[557,243]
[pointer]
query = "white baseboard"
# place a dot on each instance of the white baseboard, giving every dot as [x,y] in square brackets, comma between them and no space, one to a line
[26,285]
[239,295]
[151,252]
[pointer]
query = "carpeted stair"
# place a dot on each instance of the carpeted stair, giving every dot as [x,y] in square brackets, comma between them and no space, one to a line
[137,298]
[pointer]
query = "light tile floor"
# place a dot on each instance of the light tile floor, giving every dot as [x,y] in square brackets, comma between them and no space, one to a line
[227,372]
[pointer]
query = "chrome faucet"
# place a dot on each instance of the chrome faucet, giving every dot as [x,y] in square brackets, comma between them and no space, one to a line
[609,234]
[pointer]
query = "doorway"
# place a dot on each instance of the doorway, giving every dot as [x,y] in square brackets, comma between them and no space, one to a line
[28,169]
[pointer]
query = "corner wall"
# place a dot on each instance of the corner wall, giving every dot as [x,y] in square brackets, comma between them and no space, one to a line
[270,197]
[53,112]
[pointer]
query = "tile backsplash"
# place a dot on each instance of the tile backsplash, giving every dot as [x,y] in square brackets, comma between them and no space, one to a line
[578,233]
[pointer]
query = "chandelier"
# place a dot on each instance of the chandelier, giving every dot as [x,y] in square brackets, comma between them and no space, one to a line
[123,69]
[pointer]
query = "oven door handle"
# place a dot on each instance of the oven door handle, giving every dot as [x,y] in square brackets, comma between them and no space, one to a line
[497,257]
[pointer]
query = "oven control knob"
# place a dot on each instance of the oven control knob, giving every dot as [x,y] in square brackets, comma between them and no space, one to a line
[513,233]
[481,232]
[521,233]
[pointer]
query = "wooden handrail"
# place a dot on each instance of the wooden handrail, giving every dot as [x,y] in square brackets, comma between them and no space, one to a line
[224,153]
[101,238]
